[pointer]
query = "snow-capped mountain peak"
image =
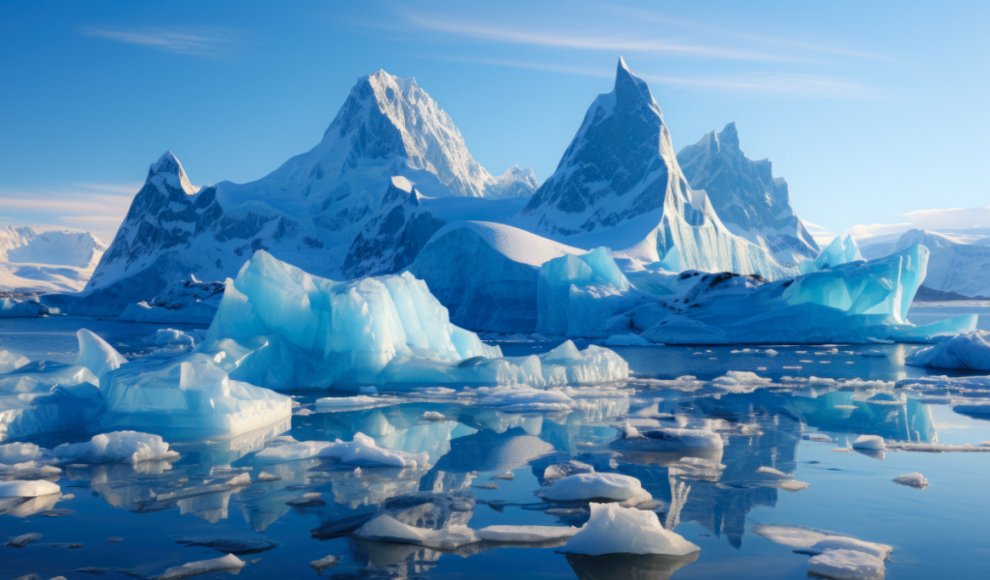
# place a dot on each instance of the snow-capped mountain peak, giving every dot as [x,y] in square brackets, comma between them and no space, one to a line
[167,170]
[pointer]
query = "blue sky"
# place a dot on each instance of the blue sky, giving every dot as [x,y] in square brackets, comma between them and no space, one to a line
[869,110]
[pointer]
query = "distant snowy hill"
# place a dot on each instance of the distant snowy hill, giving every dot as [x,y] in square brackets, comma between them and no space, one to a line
[47,262]
[748,199]
[619,185]
[953,265]
[361,202]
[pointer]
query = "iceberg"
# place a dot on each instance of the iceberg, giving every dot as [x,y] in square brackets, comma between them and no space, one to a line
[588,486]
[846,565]
[614,529]
[117,446]
[966,351]
[279,327]
[840,251]
[20,488]
[363,450]
[13,308]
[45,397]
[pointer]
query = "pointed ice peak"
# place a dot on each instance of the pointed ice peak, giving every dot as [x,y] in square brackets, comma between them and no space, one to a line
[169,168]
[629,87]
[728,136]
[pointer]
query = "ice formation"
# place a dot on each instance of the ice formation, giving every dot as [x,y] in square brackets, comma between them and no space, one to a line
[587,486]
[840,251]
[229,563]
[14,308]
[363,450]
[846,565]
[966,351]
[614,529]
[869,443]
[290,329]
[915,480]
[116,446]
[525,534]
[844,543]
[20,488]
[44,397]
[53,261]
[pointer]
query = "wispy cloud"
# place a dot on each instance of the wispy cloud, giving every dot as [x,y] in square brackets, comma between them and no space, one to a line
[768,84]
[591,40]
[98,208]
[951,220]
[648,16]
[189,41]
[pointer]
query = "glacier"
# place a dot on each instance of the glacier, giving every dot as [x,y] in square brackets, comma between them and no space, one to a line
[54,261]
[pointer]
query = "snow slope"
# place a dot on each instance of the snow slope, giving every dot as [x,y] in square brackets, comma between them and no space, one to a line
[47,262]
[619,181]
[353,205]
[748,199]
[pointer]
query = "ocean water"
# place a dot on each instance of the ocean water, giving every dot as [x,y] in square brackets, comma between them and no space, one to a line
[938,532]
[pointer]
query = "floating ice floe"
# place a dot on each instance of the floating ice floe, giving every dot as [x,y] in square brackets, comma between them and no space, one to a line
[21,488]
[23,540]
[869,443]
[614,529]
[846,565]
[361,451]
[44,397]
[667,439]
[915,480]
[324,563]
[298,330]
[229,563]
[966,351]
[589,486]
[116,446]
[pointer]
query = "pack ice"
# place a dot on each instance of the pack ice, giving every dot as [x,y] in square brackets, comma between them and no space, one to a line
[286,328]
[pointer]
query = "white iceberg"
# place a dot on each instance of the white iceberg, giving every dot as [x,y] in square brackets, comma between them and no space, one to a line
[116,446]
[587,486]
[869,443]
[614,529]
[21,488]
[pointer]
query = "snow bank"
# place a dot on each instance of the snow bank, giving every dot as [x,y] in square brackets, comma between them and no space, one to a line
[314,332]
[361,451]
[613,529]
[846,565]
[586,486]
[20,488]
[966,351]
[117,446]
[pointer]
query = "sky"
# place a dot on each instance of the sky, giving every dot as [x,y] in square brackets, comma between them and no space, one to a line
[871,111]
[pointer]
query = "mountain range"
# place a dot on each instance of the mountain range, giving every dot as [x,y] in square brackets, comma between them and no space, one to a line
[53,261]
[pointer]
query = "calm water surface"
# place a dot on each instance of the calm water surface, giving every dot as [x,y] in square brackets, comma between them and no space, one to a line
[939,532]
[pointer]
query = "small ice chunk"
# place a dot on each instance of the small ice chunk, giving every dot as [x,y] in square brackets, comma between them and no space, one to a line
[21,488]
[565,469]
[664,439]
[774,472]
[385,528]
[790,485]
[526,534]
[314,499]
[846,565]
[873,353]
[844,543]
[230,545]
[614,529]
[361,451]
[116,446]
[23,540]
[627,340]
[229,563]
[265,477]
[172,337]
[869,443]
[432,416]
[324,563]
[585,486]
[508,476]
[915,480]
